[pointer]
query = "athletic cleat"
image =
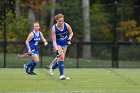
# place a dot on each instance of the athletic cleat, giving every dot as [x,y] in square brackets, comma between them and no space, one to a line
[62,77]
[33,73]
[51,71]
[26,69]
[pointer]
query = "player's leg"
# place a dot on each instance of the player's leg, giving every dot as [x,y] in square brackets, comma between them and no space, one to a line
[61,62]
[27,66]
[55,65]
[35,58]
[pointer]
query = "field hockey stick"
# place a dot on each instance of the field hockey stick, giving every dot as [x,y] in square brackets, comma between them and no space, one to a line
[27,53]
[54,60]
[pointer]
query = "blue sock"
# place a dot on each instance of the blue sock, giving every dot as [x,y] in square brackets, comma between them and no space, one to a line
[30,63]
[33,67]
[61,67]
[55,65]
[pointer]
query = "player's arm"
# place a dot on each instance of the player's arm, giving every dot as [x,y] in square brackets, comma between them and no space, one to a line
[70,34]
[54,38]
[43,39]
[70,31]
[29,38]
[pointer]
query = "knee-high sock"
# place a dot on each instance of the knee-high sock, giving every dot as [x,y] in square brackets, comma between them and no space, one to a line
[61,67]
[55,65]
[30,63]
[33,67]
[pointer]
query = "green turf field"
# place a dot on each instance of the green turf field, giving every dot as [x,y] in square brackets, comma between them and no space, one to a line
[103,80]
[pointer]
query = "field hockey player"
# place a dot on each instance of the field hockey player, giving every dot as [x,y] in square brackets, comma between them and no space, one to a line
[32,43]
[61,37]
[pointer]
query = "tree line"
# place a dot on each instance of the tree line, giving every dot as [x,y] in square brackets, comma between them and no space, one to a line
[91,20]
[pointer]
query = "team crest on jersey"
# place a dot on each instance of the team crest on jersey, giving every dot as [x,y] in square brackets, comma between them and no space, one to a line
[62,36]
[37,40]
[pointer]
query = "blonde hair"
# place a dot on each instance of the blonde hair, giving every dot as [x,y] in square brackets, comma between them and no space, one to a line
[59,16]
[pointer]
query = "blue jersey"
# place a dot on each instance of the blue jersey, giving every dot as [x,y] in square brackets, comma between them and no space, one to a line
[34,42]
[61,36]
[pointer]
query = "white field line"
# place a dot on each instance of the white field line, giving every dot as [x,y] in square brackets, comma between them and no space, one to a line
[85,91]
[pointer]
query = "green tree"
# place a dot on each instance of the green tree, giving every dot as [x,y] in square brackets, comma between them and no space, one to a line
[130,30]
[72,9]
[101,22]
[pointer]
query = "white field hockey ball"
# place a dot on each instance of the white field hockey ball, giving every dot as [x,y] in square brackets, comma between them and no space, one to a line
[67,78]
